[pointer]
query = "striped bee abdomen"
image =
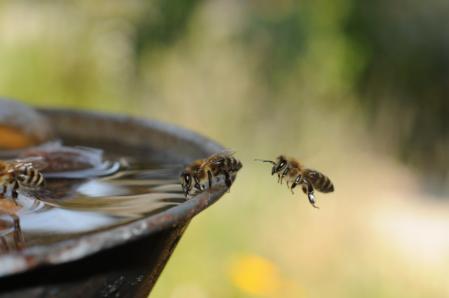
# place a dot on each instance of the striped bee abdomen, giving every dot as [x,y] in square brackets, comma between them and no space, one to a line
[319,181]
[29,176]
[235,164]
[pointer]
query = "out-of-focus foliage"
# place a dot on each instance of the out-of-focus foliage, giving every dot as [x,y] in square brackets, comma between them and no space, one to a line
[355,89]
[162,23]
[405,83]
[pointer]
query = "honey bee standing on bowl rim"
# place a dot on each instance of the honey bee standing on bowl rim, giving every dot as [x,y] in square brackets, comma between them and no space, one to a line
[203,174]
[18,174]
[296,174]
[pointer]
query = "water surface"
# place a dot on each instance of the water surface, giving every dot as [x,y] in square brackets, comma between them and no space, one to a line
[86,190]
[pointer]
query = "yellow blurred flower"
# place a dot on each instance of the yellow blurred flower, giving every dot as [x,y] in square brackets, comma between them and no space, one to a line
[255,275]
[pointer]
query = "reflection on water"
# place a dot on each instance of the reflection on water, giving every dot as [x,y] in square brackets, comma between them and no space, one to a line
[85,191]
[11,236]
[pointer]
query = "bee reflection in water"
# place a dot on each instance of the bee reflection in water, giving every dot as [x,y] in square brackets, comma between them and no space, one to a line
[11,236]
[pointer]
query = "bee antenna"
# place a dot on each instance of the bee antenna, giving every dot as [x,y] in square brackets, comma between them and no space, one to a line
[264,160]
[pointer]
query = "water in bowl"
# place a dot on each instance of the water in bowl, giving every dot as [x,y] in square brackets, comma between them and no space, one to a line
[86,190]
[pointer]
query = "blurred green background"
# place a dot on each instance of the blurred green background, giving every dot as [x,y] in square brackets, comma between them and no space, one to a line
[356,89]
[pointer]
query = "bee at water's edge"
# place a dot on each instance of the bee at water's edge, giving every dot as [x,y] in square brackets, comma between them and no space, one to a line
[296,174]
[20,173]
[202,174]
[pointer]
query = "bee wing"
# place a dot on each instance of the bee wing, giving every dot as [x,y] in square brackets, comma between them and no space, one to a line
[216,159]
[213,160]
[225,153]
[221,155]
[318,180]
[36,162]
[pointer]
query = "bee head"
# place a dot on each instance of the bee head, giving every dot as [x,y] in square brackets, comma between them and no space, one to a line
[279,165]
[186,182]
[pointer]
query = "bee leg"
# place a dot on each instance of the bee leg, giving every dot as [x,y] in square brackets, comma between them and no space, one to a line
[14,192]
[197,184]
[304,190]
[18,235]
[311,196]
[228,180]
[209,177]
[186,191]
[292,187]
[297,182]
[284,173]
[312,200]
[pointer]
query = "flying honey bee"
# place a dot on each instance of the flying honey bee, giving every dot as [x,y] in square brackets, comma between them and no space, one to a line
[202,174]
[18,174]
[296,174]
